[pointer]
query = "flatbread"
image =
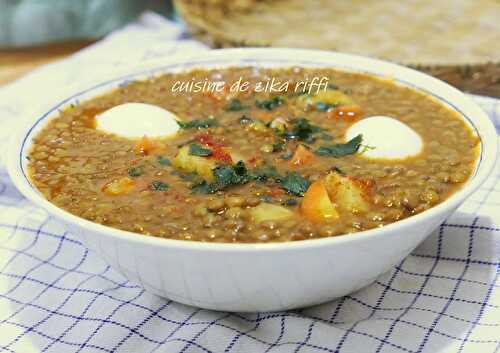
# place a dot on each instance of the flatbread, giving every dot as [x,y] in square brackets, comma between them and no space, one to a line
[418,32]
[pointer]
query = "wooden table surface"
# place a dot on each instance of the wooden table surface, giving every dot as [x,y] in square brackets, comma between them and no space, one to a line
[19,61]
[480,79]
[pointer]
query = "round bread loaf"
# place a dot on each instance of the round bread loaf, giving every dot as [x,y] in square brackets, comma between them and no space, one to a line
[411,31]
[457,41]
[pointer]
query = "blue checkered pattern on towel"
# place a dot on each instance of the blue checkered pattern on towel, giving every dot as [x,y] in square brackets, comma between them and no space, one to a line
[56,296]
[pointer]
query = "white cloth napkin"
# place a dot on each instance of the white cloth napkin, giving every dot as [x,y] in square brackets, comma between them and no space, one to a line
[56,296]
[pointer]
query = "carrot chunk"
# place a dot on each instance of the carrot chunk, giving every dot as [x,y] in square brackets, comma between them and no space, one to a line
[301,157]
[316,204]
[119,186]
[147,146]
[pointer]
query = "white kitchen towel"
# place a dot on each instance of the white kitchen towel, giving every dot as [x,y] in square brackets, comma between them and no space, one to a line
[56,296]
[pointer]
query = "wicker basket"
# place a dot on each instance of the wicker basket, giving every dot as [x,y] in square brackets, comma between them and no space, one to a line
[469,64]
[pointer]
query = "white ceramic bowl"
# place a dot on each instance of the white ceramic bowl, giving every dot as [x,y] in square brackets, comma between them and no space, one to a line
[262,277]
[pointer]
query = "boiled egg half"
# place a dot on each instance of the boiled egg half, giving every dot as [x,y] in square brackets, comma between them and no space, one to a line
[135,120]
[386,138]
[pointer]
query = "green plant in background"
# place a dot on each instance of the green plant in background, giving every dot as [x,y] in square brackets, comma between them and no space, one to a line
[28,22]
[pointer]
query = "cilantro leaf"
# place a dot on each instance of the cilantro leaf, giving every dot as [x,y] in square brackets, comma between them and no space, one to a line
[198,124]
[198,150]
[235,106]
[164,161]
[278,146]
[225,176]
[265,173]
[295,184]
[201,187]
[158,186]
[269,104]
[134,172]
[240,168]
[341,149]
[302,130]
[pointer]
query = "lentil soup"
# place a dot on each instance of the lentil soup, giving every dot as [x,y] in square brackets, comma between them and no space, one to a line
[252,166]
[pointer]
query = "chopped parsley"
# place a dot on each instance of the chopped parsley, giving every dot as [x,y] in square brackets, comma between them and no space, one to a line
[231,175]
[302,130]
[198,150]
[202,187]
[295,184]
[225,176]
[265,173]
[192,177]
[134,172]
[365,148]
[164,161]
[158,186]
[270,104]
[199,123]
[235,106]
[238,174]
[278,146]
[340,149]
[240,168]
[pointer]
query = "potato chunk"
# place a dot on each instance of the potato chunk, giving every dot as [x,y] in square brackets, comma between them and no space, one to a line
[258,126]
[194,164]
[269,212]
[348,193]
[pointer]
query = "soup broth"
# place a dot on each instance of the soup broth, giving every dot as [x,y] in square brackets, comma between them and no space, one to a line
[253,166]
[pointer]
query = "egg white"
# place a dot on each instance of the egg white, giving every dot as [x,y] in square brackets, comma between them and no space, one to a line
[386,138]
[134,120]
